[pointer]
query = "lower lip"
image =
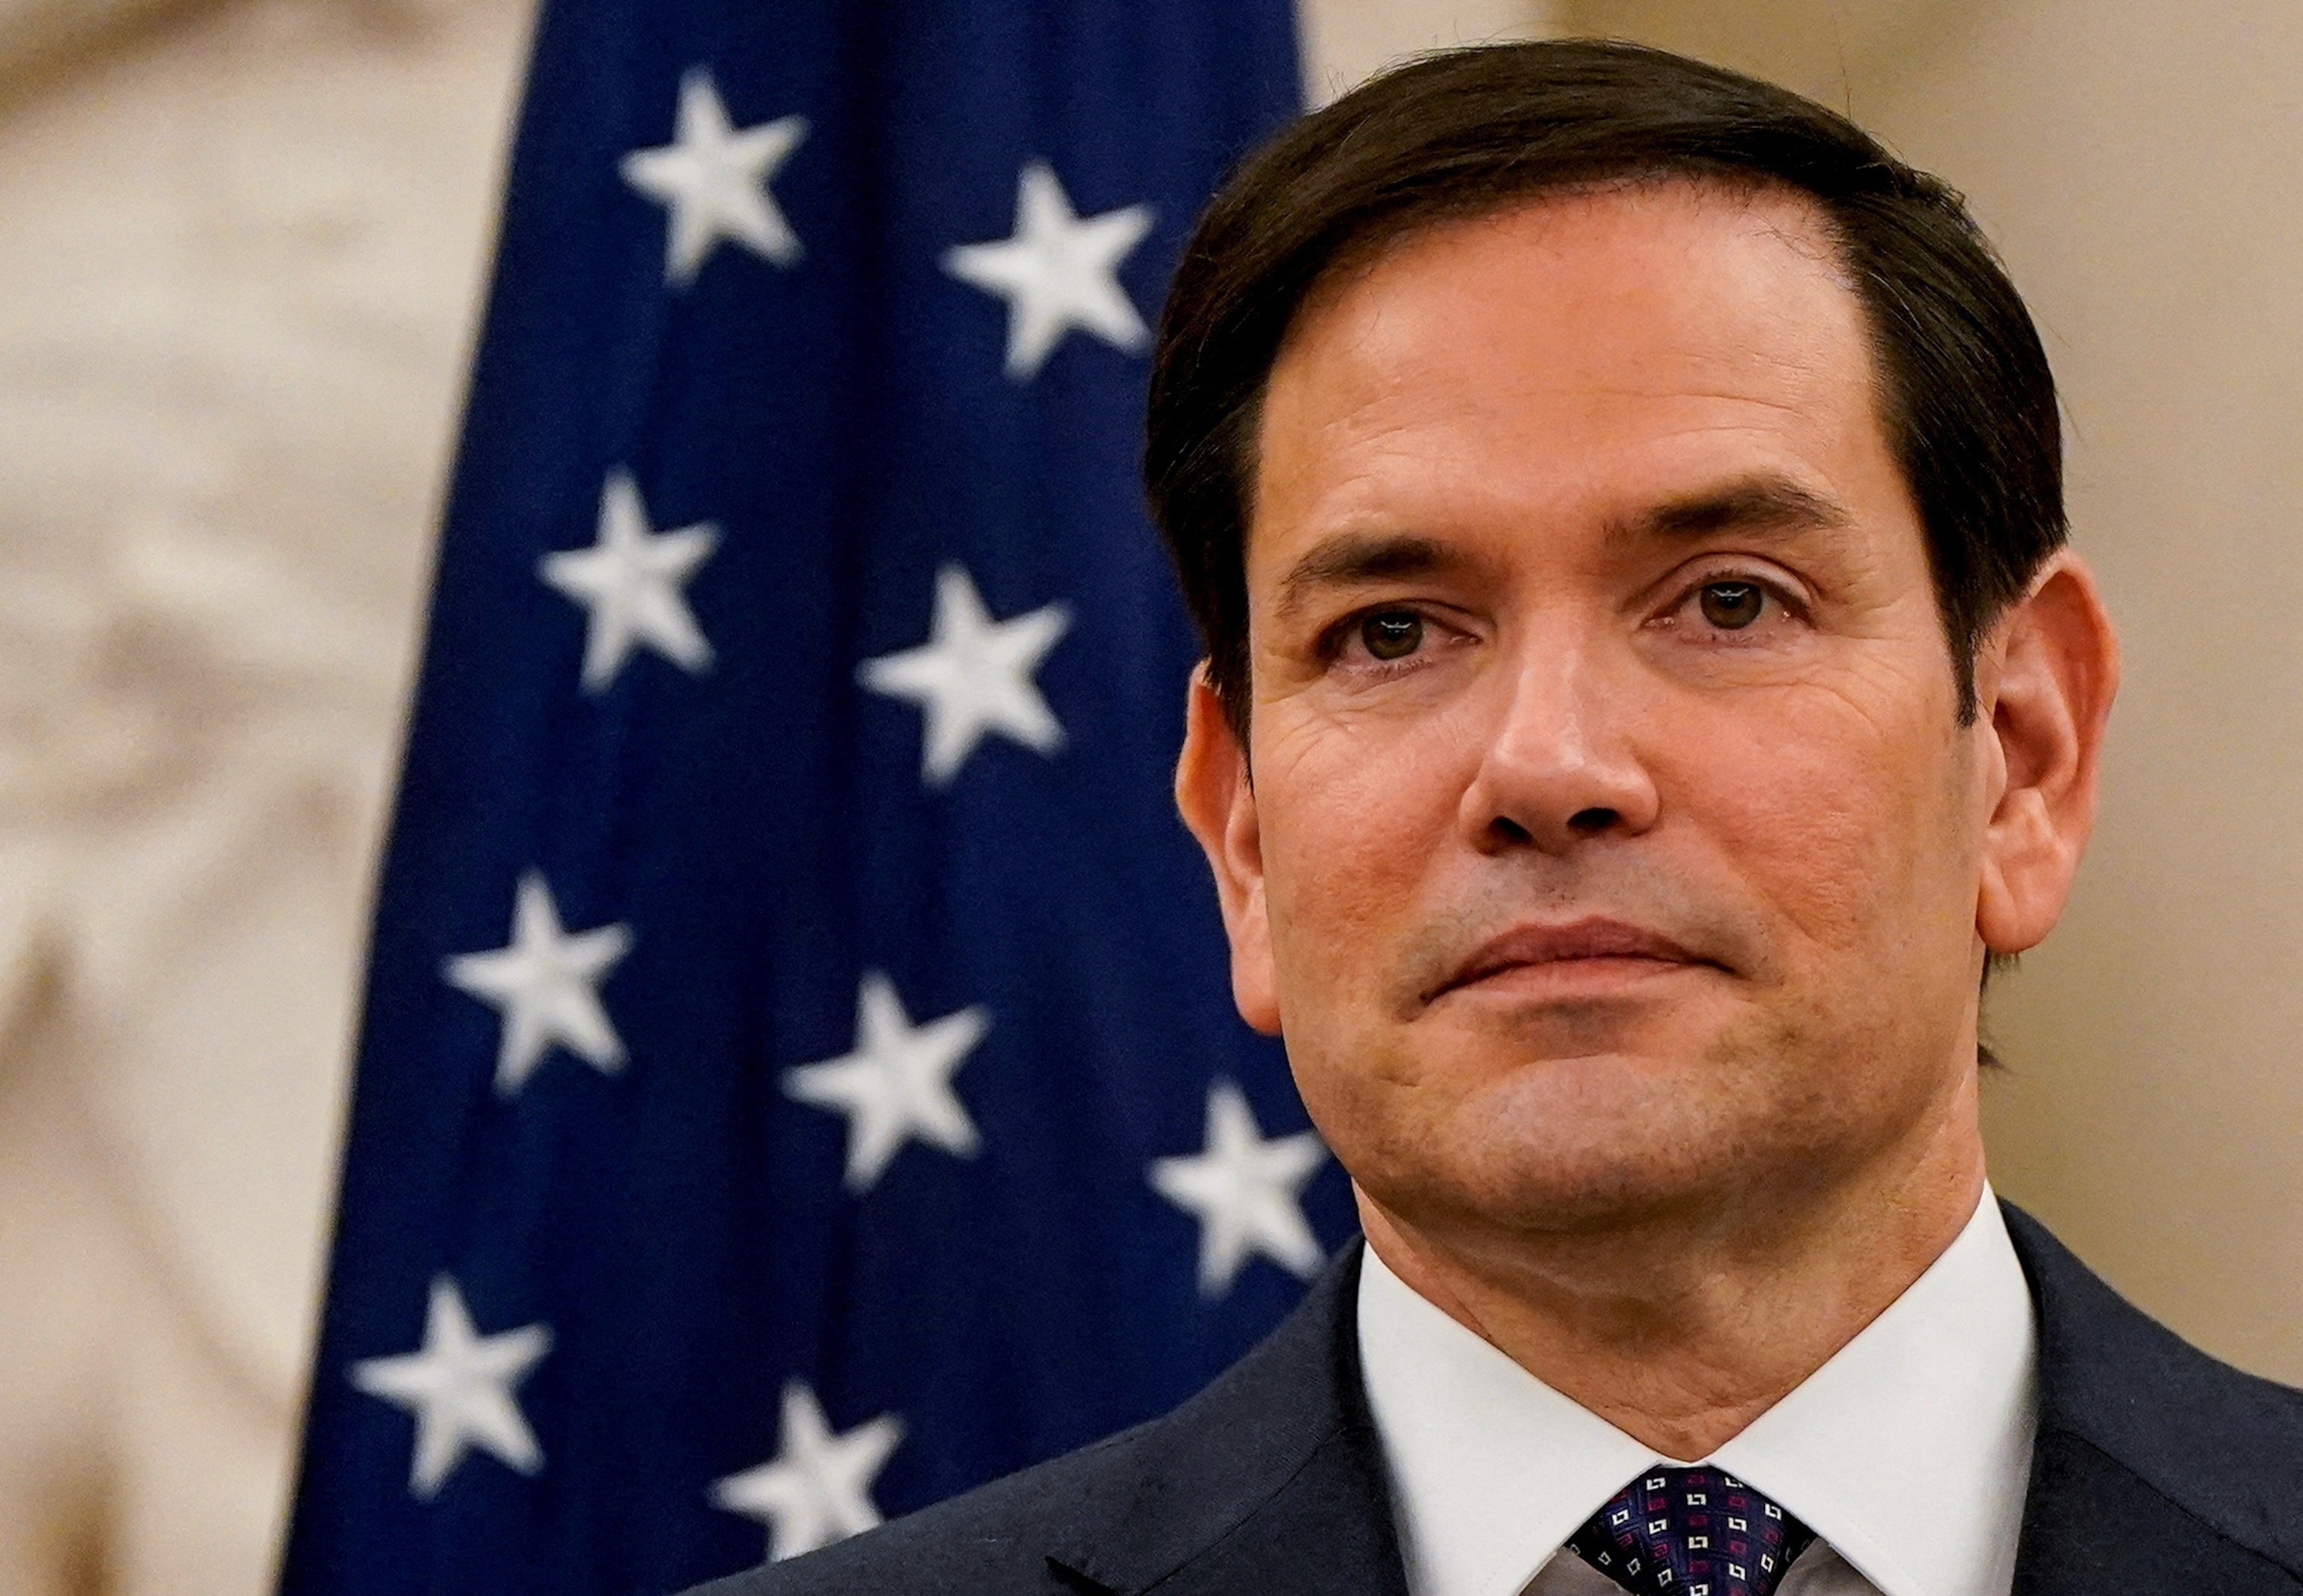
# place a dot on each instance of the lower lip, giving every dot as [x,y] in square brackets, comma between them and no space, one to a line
[1570,978]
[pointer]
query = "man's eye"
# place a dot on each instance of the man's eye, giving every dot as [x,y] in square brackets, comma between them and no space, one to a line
[1730,606]
[1392,634]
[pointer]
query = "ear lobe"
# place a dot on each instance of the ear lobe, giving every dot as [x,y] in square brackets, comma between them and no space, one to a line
[1217,804]
[2058,673]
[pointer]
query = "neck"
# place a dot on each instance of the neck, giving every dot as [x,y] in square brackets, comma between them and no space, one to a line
[1680,1334]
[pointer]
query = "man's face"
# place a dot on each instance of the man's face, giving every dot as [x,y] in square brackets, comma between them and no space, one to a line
[1612,845]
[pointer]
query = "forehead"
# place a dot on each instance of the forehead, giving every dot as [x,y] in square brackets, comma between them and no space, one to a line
[1584,347]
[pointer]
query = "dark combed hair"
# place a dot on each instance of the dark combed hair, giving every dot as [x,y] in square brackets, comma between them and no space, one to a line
[1962,383]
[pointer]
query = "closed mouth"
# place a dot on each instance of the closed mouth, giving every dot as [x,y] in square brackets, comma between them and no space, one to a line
[1591,945]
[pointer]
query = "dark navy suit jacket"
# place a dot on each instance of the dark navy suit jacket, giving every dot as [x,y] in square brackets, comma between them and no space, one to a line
[2157,1471]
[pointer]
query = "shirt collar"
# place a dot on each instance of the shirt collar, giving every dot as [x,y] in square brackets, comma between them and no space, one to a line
[1909,1451]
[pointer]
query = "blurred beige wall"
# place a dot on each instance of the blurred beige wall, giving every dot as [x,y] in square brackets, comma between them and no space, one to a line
[241,252]
[1345,40]
[2141,167]
[243,242]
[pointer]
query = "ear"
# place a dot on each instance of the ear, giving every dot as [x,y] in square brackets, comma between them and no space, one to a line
[1217,802]
[2057,663]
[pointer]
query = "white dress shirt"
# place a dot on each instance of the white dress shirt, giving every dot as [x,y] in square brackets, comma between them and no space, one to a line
[1908,1453]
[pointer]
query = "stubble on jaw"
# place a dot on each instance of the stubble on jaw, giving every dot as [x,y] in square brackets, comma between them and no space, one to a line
[1578,1140]
[1607,1115]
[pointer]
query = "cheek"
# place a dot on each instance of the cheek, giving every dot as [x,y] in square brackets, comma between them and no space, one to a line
[1838,807]
[1350,816]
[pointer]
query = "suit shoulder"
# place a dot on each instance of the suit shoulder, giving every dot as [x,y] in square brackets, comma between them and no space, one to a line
[2223,1444]
[994,1538]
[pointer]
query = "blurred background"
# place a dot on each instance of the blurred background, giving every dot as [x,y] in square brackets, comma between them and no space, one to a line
[241,243]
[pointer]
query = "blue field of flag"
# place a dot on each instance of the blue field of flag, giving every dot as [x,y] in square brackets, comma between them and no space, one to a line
[798,1079]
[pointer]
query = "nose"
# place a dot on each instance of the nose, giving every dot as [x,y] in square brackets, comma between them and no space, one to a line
[1560,766]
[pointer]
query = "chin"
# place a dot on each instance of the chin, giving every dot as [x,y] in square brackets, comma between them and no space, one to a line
[1593,1141]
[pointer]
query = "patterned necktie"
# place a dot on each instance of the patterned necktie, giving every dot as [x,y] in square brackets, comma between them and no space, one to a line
[1692,1532]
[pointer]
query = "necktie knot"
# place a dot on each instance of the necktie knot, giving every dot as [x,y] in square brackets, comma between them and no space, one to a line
[1692,1532]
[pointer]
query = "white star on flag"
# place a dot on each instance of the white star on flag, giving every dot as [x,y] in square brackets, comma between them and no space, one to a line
[1059,272]
[818,1487]
[714,179]
[1246,1193]
[632,583]
[896,1086]
[972,676]
[459,1387]
[546,985]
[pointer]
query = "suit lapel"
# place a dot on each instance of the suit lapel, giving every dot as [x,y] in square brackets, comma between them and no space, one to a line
[2156,1470]
[2092,1527]
[1326,1532]
[1270,1480]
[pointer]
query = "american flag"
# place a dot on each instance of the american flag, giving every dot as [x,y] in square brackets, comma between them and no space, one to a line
[798,1079]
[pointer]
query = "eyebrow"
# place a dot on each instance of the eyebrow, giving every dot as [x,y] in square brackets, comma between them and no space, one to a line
[1765,503]
[1761,503]
[1351,558]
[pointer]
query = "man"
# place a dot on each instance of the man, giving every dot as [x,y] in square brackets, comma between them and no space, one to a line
[1646,687]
